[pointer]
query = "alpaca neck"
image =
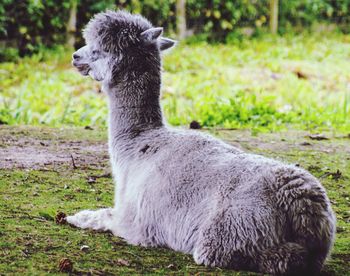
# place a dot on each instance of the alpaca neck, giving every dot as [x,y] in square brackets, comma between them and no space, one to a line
[134,106]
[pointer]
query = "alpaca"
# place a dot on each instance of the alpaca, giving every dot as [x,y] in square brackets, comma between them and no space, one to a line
[186,190]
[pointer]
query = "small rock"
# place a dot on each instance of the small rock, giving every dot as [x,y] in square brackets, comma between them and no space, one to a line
[91,180]
[61,218]
[318,137]
[84,248]
[195,125]
[172,267]
[300,74]
[305,144]
[65,265]
[123,262]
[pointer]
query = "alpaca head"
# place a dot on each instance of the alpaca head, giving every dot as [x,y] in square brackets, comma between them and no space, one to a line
[116,42]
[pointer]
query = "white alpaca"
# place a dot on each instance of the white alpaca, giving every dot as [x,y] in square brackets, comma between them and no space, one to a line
[189,191]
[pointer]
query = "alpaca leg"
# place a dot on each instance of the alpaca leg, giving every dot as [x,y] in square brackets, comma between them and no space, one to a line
[225,240]
[218,256]
[101,219]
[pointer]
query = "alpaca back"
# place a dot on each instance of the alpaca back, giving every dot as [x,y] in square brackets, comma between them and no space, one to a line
[189,186]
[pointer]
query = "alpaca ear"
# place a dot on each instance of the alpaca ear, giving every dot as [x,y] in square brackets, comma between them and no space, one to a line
[166,43]
[151,34]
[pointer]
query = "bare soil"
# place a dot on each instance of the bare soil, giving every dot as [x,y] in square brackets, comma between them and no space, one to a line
[45,148]
[23,148]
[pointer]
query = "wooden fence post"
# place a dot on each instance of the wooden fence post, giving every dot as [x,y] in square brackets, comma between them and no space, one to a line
[273,16]
[72,23]
[181,18]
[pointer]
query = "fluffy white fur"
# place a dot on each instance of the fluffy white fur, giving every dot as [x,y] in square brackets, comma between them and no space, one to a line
[186,190]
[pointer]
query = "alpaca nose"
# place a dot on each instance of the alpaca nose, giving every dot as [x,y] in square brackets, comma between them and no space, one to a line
[76,56]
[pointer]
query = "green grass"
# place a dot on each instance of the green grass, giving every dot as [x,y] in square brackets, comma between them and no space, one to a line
[32,243]
[265,83]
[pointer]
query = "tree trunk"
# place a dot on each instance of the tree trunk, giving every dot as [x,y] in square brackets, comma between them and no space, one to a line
[72,23]
[273,16]
[181,19]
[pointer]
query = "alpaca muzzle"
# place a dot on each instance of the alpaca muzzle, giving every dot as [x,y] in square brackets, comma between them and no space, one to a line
[83,68]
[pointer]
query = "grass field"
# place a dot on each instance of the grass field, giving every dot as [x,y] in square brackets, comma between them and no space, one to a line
[269,83]
[34,189]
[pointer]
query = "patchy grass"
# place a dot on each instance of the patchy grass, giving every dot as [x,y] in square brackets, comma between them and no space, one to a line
[268,83]
[32,243]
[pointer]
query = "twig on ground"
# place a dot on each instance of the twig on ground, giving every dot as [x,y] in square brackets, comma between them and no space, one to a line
[73,162]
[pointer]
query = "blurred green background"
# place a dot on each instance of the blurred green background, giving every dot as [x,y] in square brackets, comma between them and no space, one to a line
[265,65]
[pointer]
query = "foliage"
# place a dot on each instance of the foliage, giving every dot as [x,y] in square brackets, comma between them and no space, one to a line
[305,12]
[31,24]
[263,83]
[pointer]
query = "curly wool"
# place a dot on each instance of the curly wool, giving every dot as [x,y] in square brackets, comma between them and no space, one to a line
[113,31]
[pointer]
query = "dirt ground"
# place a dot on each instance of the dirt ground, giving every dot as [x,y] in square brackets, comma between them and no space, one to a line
[25,148]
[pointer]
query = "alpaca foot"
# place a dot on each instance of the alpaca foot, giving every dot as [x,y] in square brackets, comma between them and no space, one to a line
[286,259]
[217,258]
[202,257]
[97,220]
